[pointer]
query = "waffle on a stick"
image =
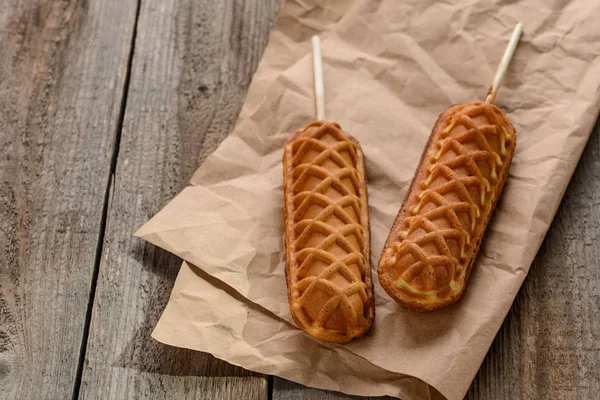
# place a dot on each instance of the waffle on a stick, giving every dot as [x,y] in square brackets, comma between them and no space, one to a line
[434,241]
[328,272]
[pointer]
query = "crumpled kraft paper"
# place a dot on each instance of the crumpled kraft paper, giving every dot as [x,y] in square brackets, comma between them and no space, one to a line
[244,333]
[390,69]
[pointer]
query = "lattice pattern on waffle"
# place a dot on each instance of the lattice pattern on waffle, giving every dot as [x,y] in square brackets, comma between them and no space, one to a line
[435,242]
[329,291]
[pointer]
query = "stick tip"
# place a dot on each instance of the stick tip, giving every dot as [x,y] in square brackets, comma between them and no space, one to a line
[518,31]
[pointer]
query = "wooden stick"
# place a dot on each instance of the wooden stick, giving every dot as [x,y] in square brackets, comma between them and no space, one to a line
[318,75]
[508,53]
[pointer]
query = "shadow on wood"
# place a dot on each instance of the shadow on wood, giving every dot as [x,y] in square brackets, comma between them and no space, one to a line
[143,353]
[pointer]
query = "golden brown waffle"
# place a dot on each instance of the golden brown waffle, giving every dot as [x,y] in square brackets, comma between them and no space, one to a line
[431,248]
[327,233]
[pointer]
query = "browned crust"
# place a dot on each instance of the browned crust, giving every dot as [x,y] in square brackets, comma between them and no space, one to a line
[413,190]
[327,334]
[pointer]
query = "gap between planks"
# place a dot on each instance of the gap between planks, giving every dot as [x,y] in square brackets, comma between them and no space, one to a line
[109,185]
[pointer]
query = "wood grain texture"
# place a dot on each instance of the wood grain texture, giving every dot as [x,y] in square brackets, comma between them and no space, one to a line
[62,76]
[549,344]
[287,390]
[193,61]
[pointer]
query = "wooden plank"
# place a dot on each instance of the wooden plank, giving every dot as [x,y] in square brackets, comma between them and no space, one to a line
[287,390]
[62,75]
[549,344]
[192,64]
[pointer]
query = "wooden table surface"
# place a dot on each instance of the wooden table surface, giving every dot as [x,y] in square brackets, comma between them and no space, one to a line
[107,108]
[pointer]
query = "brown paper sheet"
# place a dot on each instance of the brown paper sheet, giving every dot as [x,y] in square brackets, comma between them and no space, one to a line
[245,334]
[390,68]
